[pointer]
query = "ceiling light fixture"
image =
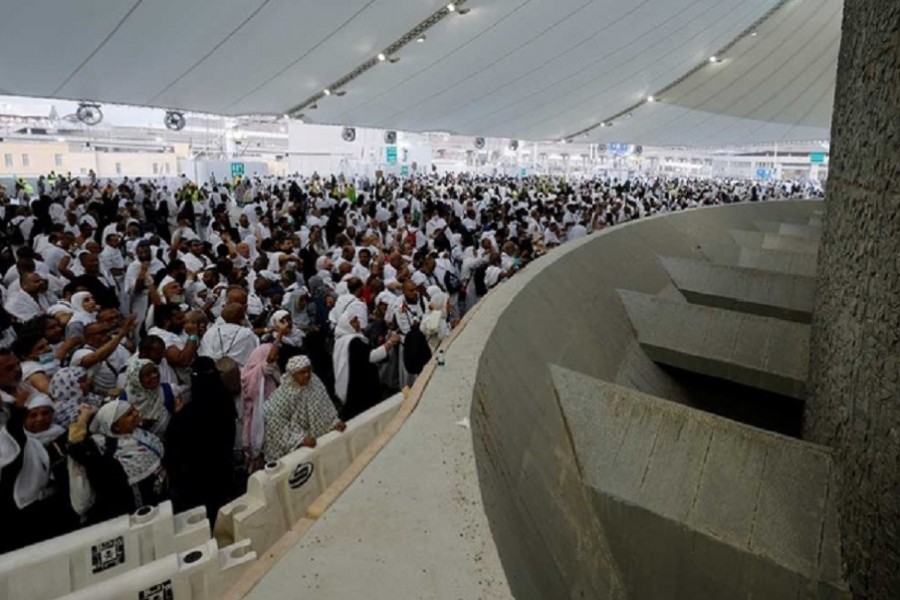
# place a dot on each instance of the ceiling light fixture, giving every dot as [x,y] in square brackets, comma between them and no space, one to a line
[651,99]
[451,7]
[715,59]
[754,33]
[420,39]
[382,57]
[326,91]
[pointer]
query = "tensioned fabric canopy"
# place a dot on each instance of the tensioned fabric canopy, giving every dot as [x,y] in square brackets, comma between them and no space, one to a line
[524,69]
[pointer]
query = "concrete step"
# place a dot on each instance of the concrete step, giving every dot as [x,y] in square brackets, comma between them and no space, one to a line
[764,293]
[778,261]
[760,352]
[763,240]
[799,230]
[701,504]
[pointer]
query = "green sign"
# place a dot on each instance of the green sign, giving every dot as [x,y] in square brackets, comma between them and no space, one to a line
[817,158]
[392,155]
[404,170]
[237,169]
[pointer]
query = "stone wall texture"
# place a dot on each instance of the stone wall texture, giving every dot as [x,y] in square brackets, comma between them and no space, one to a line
[854,404]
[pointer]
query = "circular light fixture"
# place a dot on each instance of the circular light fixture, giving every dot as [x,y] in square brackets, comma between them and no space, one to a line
[754,33]
[451,7]
[382,57]
[715,59]
[420,39]
[651,99]
[326,91]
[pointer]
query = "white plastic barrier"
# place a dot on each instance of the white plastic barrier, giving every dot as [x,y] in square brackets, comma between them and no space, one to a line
[279,496]
[201,573]
[94,554]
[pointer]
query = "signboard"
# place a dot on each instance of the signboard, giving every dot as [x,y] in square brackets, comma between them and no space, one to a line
[391,153]
[404,170]
[615,148]
[237,169]
[523,172]
[817,158]
[763,173]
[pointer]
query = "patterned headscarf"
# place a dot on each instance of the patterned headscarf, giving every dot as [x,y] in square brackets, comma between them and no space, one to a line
[149,402]
[65,388]
[295,412]
[139,452]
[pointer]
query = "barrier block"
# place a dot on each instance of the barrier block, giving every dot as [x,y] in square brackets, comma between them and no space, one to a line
[201,573]
[86,557]
[279,496]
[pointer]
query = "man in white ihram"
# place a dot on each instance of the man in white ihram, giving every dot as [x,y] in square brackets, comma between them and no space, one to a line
[229,338]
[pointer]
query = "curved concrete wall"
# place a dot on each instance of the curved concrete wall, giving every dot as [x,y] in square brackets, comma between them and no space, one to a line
[481,495]
[565,310]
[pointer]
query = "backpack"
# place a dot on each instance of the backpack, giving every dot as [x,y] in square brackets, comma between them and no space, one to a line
[416,352]
[452,283]
[230,372]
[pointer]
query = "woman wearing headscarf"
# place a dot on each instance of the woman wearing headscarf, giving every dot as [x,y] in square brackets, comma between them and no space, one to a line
[33,483]
[84,309]
[201,467]
[122,462]
[70,388]
[292,336]
[260,378]
[156,401]
[298,412]
[357,383]
[303,312]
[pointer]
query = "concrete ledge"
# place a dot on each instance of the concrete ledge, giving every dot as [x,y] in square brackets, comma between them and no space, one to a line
[808,231]
[679,490]
[778,261]
[763,293]
[763,240]
[760,352]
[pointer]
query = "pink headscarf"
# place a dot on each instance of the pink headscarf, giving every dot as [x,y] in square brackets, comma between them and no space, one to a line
[259,379]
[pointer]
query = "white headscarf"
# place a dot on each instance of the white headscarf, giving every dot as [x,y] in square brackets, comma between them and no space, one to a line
[51,433]
[293,337]
[35,473]
[344,333]
[79,314]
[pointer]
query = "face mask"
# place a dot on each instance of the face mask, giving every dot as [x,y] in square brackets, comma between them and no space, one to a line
[46,358]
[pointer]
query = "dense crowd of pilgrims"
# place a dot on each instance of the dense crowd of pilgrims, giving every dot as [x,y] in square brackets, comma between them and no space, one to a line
[163,339]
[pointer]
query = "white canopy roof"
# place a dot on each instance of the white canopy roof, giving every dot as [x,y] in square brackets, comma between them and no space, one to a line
[526,69]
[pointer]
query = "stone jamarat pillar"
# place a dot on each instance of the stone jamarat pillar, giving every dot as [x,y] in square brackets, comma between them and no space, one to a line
[854,404]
